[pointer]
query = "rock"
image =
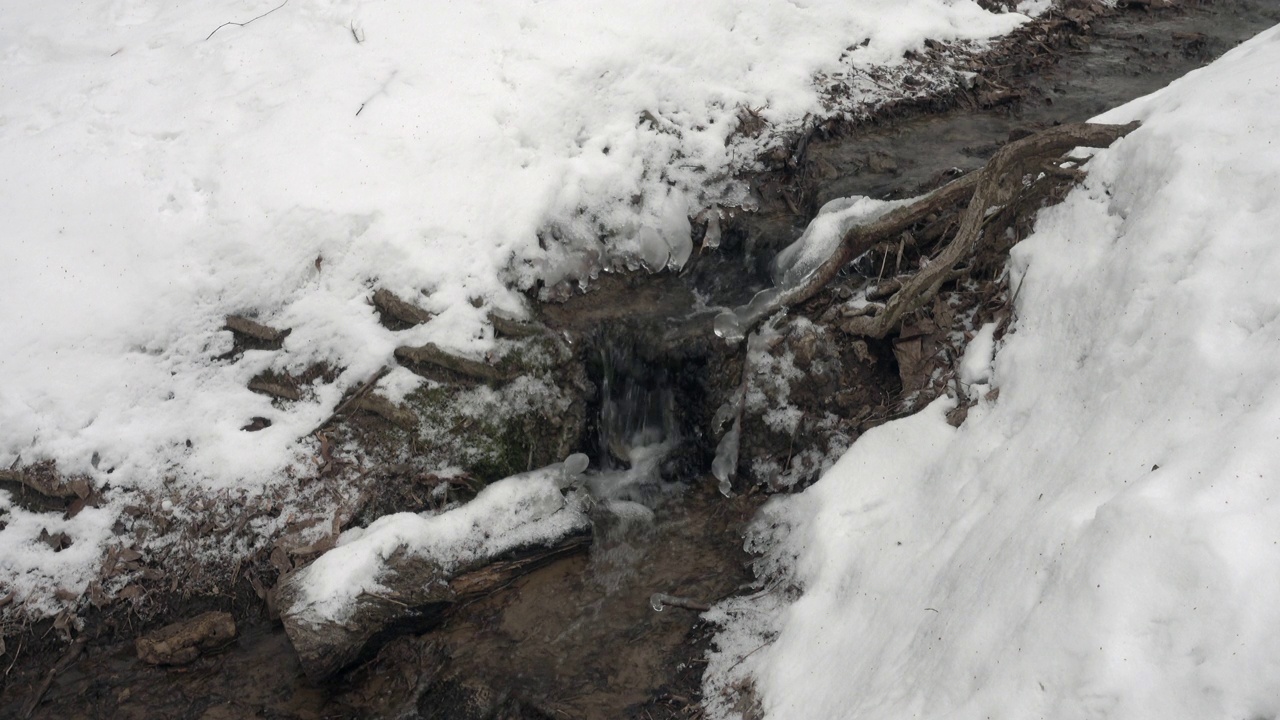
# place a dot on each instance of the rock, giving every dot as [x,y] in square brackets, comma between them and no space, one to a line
[183,642]
[416,593]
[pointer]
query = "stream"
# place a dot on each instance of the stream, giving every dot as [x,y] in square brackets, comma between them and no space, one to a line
[581,637]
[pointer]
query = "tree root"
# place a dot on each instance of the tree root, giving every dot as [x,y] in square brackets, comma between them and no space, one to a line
[995,186]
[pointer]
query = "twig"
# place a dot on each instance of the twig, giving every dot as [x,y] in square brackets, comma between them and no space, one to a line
[360,391]
[744,657]
[73,654]
[16,653]
[355,33]
[988,188]
[246,22]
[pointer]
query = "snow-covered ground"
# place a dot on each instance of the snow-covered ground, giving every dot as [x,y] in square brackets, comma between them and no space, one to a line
[161,168]
[1102,539]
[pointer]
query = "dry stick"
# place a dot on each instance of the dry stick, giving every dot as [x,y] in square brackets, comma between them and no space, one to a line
[246,22]
[364,388]
[73,654]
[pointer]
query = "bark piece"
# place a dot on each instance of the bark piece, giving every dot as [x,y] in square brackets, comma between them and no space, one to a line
[431,354]
[45,483]
[275,390]
[512,328]
[382,407]
[183,642]
[396,308]
[253,330]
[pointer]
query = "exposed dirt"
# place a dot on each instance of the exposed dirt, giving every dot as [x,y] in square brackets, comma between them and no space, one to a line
[578,638]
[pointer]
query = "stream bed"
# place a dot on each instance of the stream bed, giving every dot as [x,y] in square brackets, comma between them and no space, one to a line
[580,637]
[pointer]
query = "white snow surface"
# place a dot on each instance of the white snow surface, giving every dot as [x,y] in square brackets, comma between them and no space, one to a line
[161,169]
[518,511]
[1103,539]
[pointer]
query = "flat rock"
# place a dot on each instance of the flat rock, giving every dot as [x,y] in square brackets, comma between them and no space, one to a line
[183,642]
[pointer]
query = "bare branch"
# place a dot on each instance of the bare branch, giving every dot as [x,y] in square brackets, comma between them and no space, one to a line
[246,22]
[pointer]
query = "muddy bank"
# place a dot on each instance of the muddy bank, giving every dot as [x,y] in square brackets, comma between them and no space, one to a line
[579,638]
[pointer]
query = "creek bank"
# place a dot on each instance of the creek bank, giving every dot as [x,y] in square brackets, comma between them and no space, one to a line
[496,654]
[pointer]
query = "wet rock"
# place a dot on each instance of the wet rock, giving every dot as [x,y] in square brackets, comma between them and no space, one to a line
[183,642]
[415,593]
[419,590]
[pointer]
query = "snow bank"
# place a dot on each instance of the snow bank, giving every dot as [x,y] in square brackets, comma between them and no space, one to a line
[161,169]
[518,511]
[156,178]
[1103,540]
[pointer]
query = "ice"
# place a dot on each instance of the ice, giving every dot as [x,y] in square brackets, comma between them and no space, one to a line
[728,327]
[576,464]
[711,239]
[725,464]
[652,249]
[823,235]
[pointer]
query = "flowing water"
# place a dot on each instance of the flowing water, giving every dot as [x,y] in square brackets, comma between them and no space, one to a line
[583,637]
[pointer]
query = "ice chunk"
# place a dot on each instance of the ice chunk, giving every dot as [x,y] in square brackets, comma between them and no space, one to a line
[726,462]
[823,235]
[576,464]
[679,242]
[572,468]
[728,326]
[652,249]
[711,239]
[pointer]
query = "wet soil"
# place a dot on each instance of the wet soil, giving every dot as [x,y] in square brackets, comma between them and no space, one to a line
[578,638]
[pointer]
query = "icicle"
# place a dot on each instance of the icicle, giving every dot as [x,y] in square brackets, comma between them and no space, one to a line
[726,462]
[711,239]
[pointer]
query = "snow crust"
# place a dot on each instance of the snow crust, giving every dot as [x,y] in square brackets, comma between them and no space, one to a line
[518,511]
[1102,540]
[161,169]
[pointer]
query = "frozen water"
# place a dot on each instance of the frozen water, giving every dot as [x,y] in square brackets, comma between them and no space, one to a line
[727,326]
[725,464]
[823,235]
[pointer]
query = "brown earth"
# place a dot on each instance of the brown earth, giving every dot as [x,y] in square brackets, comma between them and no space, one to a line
[578,638]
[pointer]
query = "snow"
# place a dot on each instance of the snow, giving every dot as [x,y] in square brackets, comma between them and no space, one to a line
[1101,540]
[161,169]
[822,236]
[975,366]
[519,511]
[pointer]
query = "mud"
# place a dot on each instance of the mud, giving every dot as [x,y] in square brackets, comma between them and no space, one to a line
[579,638]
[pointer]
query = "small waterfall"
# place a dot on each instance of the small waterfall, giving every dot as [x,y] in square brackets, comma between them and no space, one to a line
[637,405]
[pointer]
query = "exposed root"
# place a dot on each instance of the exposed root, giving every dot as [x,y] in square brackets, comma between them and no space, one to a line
[990,189]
